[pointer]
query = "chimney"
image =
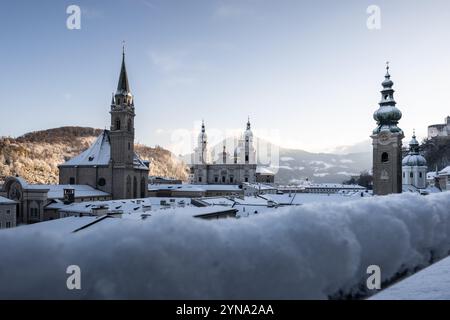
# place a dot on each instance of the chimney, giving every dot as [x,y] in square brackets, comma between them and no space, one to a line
[69,196]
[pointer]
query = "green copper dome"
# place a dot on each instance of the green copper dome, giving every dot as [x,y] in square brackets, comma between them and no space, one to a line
[387,115]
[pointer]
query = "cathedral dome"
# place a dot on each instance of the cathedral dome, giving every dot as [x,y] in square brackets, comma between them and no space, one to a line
[414,160]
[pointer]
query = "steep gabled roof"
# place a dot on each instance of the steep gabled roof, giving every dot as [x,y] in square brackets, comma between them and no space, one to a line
[99,154]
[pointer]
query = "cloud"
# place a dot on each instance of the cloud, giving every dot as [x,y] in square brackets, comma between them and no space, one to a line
[228,10]
[313,251]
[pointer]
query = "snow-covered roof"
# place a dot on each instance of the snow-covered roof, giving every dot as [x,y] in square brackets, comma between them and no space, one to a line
[264,170]
[195,187]
[126,205]
[260,186]
[431,175]
[99,154]
[445,171]
[4,200]
[56,191]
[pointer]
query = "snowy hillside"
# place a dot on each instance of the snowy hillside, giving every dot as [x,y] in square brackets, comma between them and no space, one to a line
[313,251]
[35,156]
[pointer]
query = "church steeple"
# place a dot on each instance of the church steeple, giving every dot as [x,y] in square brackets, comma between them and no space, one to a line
[122,121]
[123,92]
[387,142]
[123,86]
[388,115]
[248,124]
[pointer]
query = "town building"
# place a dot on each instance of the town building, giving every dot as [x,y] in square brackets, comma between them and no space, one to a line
[39,202]
[387,143]
[110,164]
[7,213]
[439,130]
[414,167]
[237,170]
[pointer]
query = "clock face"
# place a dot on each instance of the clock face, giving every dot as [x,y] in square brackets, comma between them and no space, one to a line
[384,137]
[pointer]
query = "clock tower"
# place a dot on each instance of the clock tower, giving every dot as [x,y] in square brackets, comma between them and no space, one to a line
[387,143]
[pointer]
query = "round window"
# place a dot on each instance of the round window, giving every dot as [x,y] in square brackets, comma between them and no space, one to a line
[101,182]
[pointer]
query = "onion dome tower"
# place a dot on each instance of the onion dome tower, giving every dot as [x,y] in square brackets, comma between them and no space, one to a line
[387,142]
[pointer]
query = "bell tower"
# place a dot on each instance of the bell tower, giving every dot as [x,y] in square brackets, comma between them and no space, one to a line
[387,142]
[122,122]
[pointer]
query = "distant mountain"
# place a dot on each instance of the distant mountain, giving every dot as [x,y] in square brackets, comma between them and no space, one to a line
[35,156]
[360,147]
[320,167]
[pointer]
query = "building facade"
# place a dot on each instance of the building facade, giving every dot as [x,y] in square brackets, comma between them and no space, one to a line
[387,143]
[236,170]
[7,213]
[40,202]
[110,164]
[439,130]
[414,166]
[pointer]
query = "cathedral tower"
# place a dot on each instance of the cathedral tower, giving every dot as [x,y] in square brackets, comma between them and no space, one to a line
[122,122]
[387,143]
[201,152]
[250,153]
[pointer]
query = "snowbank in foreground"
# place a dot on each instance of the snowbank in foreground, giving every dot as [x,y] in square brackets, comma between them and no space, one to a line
[314,251]
[433,283]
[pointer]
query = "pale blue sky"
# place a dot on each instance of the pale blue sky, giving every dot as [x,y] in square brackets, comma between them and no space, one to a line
[310,70]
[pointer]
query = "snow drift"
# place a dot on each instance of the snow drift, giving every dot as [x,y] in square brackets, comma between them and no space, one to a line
[315,251]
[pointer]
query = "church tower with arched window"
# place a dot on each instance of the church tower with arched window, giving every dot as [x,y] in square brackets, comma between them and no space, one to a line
[110,163]
[387,143]
[122,122]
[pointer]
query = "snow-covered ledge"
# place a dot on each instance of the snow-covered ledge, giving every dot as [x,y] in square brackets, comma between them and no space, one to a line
[315,251]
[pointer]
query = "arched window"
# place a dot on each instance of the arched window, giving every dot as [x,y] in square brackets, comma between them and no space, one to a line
[129,125]
[135,188]
[143,187]
[411,175]
[420,174]
[117,124]
[128,187]
[384,157]
[223,179]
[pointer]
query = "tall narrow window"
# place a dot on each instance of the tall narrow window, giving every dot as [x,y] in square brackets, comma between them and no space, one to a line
[117,124]
[129,125]
[384,157]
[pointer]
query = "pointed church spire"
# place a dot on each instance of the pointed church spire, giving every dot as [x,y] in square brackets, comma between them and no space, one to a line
[248,123]
[123,86]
